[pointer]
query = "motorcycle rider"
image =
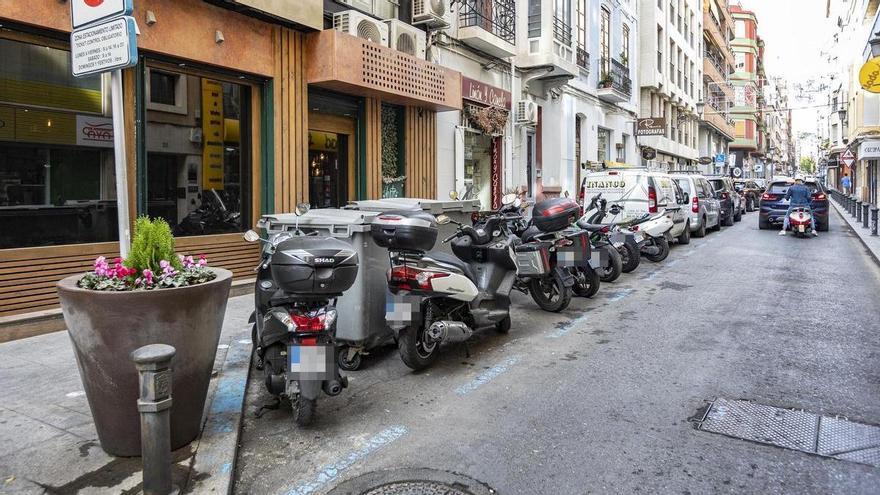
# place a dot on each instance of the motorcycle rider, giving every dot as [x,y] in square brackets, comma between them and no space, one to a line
[799,196]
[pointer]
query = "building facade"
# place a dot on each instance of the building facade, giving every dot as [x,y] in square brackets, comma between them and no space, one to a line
[671,76]
[746,150]
[716,125]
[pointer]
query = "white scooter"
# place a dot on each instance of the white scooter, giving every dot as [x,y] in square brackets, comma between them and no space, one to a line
[800,220]
[657,230]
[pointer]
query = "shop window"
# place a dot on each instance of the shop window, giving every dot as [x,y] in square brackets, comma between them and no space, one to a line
[604,148]
[57,179]
[166,91]
[198,166]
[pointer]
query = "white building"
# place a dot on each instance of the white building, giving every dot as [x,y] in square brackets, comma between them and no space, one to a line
[671,75]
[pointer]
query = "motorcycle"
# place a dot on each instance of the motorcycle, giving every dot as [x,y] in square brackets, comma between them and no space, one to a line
[299,278]
[800,221]
[437,297]
[211,217]
[625,241]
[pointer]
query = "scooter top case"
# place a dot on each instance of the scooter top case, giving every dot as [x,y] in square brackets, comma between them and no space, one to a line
[313,266]
[405,230]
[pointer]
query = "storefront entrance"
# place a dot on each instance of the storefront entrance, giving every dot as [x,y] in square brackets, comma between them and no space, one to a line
[332,149]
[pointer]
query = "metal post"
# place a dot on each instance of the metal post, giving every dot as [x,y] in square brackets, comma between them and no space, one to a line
[858,211]
[865,208]
[118,106]
[874,211]
[154,370]
[852,207]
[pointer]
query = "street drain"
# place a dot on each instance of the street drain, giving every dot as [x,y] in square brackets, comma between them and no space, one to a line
[420,481]
[793,429]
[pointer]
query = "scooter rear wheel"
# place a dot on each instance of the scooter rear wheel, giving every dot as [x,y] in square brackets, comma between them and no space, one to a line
[614,268]
[631,259]
[549,293]
[303,411]
[663,245]
[587,282]
[415,351]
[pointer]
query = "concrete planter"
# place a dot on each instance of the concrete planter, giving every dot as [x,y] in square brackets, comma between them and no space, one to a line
[106,326]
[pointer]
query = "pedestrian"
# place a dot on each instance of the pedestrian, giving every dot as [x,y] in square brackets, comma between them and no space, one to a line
[798,195]
[846,182]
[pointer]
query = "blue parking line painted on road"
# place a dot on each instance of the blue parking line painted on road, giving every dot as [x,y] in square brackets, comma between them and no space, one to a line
[652,275]
[563,330]
[672,263]
[332,471]
[486,376]
[620,294]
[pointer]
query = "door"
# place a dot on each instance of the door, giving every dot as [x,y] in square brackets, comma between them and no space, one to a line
[530,163]
[707,196]
[331,160]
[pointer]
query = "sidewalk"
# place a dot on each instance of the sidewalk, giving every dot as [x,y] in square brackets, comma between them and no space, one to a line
[872,243]
[48,442]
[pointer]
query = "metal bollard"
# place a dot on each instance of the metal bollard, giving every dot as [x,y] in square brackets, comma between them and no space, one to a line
[865,208]
[859,211]
[154,372]
[874,220]
[852,208]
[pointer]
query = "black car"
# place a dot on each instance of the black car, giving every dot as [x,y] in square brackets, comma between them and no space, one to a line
[774,205]
[750,191]
[728,197]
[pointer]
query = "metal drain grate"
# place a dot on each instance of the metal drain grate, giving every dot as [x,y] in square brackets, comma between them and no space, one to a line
[793,429]
[415,481]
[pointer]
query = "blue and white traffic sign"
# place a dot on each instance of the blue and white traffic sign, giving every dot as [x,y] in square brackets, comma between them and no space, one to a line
[86,12]
[104,47]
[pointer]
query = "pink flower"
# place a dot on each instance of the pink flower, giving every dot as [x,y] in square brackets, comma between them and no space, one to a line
[167,269]
[148,276]
[202,260]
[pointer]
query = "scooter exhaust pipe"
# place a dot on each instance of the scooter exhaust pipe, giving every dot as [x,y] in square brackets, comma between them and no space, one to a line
[332,387]
[452,331]
[651,250]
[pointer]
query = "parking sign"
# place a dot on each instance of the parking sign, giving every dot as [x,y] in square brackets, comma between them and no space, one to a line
[85,12]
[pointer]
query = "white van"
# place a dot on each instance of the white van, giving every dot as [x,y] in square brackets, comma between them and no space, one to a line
[638,191]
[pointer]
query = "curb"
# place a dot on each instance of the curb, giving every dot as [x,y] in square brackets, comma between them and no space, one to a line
[213,468]
[857,229]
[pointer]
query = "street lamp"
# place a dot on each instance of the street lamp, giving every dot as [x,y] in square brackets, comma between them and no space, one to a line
[875,45]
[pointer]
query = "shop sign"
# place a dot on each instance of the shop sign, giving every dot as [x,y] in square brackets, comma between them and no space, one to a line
[648,153]
[94,131]
[212,132]
[105,47]
[323,141]
[869,75]
[869,150]
[652,126]
[705,160]
[479,92]
[85,12]
[496,173]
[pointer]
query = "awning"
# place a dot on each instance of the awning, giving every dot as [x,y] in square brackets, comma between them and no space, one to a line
[869,149]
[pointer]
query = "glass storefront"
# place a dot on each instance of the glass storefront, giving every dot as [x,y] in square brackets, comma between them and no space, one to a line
[57,177]
[478,168]
[198,143]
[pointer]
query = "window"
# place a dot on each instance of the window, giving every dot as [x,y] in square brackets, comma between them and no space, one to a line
[604,148]
[534,18]
[198,163]
[671,13]
[562,22]
[605,42]
[671,61]
[740,28]
[166,91]
[621,148]
[583,21]
[625,41]
[57,177]
[659,49]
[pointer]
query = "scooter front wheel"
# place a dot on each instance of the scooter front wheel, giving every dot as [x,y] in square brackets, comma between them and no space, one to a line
[663,245]
[416,350]
[550,293]
[587,282]
[612,270]
[303,410]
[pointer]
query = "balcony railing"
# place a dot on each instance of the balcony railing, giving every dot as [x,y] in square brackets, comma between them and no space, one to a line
[493,16]
[716,62]
[583,58]
[562,31]
[618,79]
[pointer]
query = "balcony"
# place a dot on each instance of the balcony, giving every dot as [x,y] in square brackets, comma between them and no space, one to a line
[715,115]
[583,59]
[553,48]
[488,26]
[615,86]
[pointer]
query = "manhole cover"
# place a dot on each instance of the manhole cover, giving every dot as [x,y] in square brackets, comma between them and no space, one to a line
[420,481]
[416,488]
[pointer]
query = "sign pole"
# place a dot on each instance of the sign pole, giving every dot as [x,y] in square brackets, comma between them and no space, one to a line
[118,106]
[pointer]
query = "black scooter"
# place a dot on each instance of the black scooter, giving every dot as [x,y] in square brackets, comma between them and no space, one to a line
[294,322]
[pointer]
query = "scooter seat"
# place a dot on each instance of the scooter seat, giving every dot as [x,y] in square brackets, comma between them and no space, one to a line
[451,260]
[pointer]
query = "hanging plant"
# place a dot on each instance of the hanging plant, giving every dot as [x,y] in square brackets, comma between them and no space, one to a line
[490,120]
[391,146]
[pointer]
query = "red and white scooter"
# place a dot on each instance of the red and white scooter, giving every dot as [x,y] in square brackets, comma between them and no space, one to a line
[800,220]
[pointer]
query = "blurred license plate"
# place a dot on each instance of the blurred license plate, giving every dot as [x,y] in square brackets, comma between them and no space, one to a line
[309,359]
[639,237]
[800,228]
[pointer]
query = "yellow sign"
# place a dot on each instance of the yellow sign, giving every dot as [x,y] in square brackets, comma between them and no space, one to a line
[323,141]
[212,135]
[610,164]
[869,75]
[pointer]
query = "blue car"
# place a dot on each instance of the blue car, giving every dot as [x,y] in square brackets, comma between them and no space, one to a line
[773,204]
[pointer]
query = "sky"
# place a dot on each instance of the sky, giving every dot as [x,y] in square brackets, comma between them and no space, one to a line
[795,33]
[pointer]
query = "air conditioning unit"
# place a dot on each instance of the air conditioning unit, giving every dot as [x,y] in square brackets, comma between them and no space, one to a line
[407,39]
[526,112]
[361,25]
[430,12]
[364,5]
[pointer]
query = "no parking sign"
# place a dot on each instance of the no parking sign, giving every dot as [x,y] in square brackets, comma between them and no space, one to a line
[85,12]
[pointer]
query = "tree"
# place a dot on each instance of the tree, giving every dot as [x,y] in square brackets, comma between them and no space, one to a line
[808,165]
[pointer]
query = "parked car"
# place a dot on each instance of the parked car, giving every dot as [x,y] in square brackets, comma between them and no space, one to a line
[750,190]
[761,183]
[639,192]
[774,205]
[731,202]
[704,210]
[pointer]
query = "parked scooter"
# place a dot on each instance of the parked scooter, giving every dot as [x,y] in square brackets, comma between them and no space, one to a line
[628,243]
[800,221]
[294,323]
[656,229]
[442,298]
[211,217]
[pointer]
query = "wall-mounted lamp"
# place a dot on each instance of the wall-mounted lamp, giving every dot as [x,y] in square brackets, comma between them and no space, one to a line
[218,37]
[150,17]
[875,45]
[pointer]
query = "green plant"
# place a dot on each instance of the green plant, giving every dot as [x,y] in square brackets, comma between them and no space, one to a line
[605,79]
[152,243]
[390,142]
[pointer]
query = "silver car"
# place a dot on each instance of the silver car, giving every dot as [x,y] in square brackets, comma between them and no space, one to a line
[703,210]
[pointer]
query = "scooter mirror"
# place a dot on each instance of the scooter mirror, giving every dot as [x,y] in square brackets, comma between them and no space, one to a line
[443,219]
[508,199]
[262,223]
[453,195]
[517,202]
[566,194]
[251,236]
[302,209]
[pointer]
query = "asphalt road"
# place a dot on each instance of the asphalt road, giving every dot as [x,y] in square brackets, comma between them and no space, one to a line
[597,399]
